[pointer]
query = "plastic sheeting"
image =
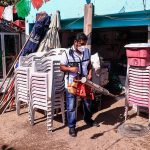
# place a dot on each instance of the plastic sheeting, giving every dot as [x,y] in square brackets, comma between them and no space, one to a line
[51,39]
[37,34]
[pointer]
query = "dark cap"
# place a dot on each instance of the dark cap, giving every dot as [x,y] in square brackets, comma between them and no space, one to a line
[81,36]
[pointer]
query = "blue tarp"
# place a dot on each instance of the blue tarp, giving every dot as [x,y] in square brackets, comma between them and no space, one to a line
[37,34]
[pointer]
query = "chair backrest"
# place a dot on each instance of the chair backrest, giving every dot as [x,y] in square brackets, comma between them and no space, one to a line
[55,77]
[56,51]
[42,65]
[26,61]
[51,66]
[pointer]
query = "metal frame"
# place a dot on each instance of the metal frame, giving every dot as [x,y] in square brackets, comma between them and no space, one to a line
[2,34]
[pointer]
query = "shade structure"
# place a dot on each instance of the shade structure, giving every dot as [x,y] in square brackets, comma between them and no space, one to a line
[51,39]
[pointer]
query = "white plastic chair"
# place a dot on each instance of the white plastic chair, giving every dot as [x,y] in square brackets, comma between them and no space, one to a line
[22,73]
[137,88]
[21,87]
[47,89]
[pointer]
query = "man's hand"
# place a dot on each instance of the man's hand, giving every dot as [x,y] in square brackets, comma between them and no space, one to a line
[74,69]
[69,69]
[89,77]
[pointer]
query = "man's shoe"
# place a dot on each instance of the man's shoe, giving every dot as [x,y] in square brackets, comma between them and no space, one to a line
[92,123]
[72,132]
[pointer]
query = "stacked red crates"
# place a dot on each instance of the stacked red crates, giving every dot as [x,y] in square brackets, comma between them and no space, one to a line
[138,75]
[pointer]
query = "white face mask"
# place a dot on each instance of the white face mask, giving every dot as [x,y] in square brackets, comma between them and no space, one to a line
[81,48]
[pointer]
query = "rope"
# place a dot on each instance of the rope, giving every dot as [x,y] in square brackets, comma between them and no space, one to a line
[125,19]
[110,17]
[68,25]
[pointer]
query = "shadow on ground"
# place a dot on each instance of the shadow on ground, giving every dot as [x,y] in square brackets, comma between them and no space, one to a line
[6,147]
[110,117]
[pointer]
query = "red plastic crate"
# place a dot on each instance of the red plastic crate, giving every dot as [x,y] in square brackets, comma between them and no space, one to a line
[140,50]
[138,54]
[139,62]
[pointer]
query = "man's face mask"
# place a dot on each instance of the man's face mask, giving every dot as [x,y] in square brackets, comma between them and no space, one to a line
[81,45]
[81,48]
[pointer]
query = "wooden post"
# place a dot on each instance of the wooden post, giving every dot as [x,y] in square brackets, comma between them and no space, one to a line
[3,55]
[148,34]
[88,16]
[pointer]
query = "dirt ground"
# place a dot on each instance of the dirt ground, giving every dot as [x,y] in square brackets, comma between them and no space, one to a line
[16,133]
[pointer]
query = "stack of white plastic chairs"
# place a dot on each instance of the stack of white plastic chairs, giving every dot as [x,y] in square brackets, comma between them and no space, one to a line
[22,80]
[139,83]
[22,75]
[138,76]
[44,69]
[138,86]
[47,89]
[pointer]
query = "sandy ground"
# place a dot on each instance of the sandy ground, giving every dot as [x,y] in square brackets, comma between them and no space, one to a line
[17,134]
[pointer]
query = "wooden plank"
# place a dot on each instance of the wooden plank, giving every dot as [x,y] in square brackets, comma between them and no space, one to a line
[88,16]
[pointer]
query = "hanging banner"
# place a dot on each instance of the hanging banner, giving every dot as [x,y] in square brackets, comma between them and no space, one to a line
[23,8]
[1,11]
[37,3]
[8,13]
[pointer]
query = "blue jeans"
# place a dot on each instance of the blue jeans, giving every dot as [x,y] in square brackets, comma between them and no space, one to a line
[71,109]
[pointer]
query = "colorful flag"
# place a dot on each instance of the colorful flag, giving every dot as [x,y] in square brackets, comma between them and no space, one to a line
[37,3]
[23,8]
[1,11]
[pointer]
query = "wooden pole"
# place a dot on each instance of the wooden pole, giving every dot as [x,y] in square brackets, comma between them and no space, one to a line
[88,16]
[148,34]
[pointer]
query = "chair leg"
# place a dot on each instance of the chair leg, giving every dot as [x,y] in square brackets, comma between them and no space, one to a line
[45,113]
[49,120]
[57,110]
[29,111]
[126,112]
[138,110]
[149,117]
[32,116]
[18,107]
